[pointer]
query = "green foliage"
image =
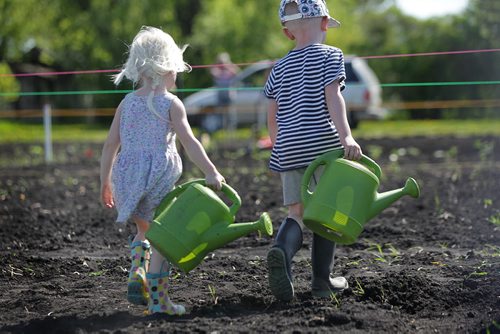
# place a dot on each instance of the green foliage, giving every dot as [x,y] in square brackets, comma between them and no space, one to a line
[7,84]
[94,34]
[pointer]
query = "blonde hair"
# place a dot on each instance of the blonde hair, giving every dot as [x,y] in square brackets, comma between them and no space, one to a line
[152,55]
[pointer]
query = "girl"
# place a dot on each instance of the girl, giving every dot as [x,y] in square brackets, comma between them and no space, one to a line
[136,179]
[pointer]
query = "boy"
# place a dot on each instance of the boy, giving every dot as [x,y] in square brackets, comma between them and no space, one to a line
[306,117]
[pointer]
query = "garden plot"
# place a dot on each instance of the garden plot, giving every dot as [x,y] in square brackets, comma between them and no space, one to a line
[423,265]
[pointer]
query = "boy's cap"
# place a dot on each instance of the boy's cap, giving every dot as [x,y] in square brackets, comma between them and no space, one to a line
[308,9]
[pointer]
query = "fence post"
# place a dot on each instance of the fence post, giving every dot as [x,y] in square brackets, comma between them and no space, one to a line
[47,127]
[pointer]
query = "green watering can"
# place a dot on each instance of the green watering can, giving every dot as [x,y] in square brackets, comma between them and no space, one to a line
[346,196]
[192,221]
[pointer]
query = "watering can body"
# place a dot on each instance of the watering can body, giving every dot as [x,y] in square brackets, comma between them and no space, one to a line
[346,196]
[192,221]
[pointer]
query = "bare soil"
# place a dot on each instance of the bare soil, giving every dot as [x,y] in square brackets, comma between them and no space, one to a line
[422,265]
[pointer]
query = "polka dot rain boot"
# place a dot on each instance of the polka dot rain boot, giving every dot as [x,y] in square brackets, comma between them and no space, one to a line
[136,285]
[159,302]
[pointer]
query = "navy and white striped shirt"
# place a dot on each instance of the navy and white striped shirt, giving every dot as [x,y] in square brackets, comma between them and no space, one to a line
[297,82]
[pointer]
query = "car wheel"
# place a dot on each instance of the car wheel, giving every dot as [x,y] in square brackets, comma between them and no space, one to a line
[211,123]
[353,120]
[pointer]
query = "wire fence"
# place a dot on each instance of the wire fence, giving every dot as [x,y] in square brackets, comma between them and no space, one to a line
[97,112]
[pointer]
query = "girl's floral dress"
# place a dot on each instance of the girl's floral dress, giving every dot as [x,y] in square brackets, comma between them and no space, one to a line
[148,165]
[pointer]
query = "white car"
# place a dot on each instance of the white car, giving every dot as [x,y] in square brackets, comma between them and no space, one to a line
[248,104]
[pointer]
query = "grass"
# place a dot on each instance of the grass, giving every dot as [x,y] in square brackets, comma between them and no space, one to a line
[23,132]
[20,132]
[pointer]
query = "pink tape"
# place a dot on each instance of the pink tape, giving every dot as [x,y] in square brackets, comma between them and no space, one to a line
[245,64]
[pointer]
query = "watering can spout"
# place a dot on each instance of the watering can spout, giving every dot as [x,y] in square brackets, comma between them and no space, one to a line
[221,234]
[385,199]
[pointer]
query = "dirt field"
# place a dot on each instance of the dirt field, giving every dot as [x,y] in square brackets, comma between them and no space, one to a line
[422,266]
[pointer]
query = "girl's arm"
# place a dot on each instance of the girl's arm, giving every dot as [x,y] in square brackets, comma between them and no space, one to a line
[109,151]
[336,108]
[192,146]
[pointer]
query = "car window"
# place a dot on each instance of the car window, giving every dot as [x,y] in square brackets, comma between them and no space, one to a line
[350,74]
[256,79]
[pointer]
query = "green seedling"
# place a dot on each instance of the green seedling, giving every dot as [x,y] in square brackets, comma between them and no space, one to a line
[380,252]
[487,202]
[491,250]
[30,271]
[256,262]
[437,203]
[353,263]
[383,298]
[495,219]
[213,294]
[478,272]
[451,154]
[98,273]
[36,150]
[334,300]
[485,148]
[393,252]
[495,326]
[443,245]
[391,256]
[358,290]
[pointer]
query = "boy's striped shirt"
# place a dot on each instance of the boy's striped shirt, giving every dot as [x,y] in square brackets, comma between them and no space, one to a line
[297,82]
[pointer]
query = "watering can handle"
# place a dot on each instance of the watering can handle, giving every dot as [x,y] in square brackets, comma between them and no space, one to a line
[331,156]
[231,194]
[372,165]
[171,195]
[321,160]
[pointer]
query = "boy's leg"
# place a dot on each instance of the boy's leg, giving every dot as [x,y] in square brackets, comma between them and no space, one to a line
[279,259]
[288,239]
[323,253]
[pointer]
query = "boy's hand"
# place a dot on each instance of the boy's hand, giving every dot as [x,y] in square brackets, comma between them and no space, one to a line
[107,195]
[214,181]
[352,150]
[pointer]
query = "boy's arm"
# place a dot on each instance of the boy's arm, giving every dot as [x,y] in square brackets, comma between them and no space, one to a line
[336,108]
[272,125]
[192,146]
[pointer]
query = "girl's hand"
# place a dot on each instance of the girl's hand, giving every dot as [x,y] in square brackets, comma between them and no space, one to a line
[214,181]
[107,195]
[352,150]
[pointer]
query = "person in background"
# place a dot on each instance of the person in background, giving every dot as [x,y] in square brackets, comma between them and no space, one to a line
[223,73]
[306,118]
[140,163]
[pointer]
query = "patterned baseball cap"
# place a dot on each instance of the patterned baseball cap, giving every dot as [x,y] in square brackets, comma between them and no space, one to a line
[307,9]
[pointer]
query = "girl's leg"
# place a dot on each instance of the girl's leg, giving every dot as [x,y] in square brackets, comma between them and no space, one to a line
[139,254]
[142,227]
[159,301]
